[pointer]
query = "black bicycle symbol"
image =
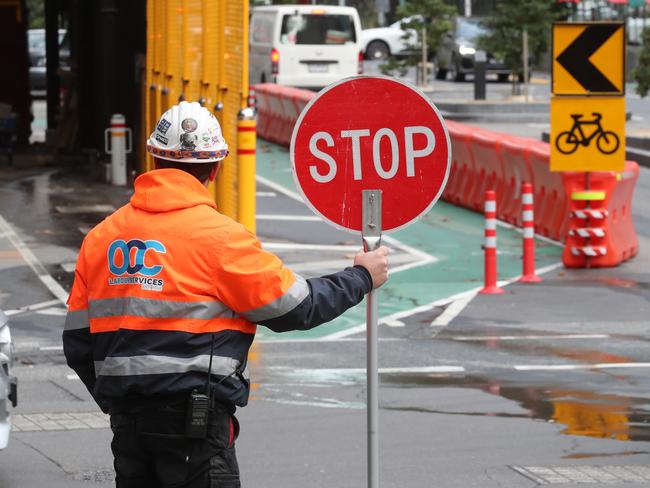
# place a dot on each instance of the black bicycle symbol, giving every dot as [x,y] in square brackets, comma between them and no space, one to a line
[568,141]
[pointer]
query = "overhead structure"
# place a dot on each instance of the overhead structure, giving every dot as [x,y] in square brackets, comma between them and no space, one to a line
[197,50]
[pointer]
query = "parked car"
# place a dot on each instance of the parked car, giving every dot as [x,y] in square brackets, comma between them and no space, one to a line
[455,56]
[308,46]
[8,383]
[38,57]
[394,40]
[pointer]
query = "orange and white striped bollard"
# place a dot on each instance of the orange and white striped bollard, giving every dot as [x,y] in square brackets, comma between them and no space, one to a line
[490,248]
[528,218]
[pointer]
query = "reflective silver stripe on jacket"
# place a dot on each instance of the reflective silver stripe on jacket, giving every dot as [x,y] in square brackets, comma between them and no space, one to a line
[150,364]
[78,319]
[158,309]
[287,302]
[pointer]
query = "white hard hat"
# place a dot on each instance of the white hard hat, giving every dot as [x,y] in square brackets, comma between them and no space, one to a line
[188,133]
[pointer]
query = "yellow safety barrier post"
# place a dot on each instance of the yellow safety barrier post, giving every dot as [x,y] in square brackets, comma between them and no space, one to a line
[246,143]
[197,50]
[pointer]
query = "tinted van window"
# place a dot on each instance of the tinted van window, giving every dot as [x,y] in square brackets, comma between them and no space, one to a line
[317,29]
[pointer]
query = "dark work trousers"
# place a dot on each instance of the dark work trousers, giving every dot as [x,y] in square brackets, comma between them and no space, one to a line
[151,450]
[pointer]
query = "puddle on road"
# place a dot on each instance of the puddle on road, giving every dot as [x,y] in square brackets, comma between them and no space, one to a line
[582,412]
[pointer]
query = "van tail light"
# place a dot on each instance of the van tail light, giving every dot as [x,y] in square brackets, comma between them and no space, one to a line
[360,66]
[275,61]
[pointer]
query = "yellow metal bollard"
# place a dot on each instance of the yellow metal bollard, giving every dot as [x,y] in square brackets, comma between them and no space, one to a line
[246,142]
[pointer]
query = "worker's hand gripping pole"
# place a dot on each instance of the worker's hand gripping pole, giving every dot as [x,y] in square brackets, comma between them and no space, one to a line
[371,234]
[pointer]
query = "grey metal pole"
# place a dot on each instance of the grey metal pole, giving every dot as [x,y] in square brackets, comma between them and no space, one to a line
[525,56]
[424,58]
[480,60]
[52,80]
[381,15]
[371,234]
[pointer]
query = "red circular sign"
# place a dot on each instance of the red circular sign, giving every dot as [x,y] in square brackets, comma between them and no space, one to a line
[370,133]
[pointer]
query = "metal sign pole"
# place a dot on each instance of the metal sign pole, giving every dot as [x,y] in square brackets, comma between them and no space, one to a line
[525,56]
[371,234]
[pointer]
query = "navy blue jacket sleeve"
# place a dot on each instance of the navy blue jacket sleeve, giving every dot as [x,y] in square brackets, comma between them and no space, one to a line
[329,296]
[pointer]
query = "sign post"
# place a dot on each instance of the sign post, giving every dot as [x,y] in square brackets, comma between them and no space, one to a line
[371,234]
[370,155]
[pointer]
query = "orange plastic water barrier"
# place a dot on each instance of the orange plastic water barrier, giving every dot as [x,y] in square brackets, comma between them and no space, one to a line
[485,160]
[602,232]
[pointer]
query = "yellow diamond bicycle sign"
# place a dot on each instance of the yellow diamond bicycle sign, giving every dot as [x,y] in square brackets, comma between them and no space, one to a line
[588,58]
[587,133]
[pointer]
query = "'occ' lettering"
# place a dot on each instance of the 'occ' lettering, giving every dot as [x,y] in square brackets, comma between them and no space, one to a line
[125,249]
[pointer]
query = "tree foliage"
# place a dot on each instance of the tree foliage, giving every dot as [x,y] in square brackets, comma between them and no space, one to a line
[505,27]
[434,15]
[641,73]
[36,13]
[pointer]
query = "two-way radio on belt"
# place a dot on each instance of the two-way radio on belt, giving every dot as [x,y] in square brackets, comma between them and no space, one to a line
[198,411]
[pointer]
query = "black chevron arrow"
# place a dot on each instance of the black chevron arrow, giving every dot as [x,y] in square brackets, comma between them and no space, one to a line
[575,58]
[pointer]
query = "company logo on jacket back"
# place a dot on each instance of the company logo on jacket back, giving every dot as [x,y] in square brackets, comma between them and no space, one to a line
[122,261]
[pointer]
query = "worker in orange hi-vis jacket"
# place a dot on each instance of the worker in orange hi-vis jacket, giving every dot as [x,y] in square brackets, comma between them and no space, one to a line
[166,299]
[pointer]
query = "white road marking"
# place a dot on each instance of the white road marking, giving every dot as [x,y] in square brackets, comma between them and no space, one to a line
[296,218]
[77,209]
[266,194]
[520,230]
[55,288]
[57,311]
[398,315]
[568,367]
[422,370]
[290,246]
[452,311]
[68,267]
[31,308]
[318,339]
[52,348]
[424,308]
[73,377]
[84,229]
[425,258]
[394,323]
[279,188]
[337,264]
[529,337]
[330,372]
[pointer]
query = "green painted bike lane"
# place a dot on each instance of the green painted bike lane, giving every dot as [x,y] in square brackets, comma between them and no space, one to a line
[453,235]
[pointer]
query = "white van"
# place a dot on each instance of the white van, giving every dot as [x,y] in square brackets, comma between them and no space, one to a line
[308,46]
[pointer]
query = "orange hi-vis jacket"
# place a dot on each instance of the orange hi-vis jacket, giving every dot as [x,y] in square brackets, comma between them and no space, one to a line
[166,280]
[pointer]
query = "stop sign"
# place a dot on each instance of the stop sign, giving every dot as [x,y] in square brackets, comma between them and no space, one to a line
[370,133]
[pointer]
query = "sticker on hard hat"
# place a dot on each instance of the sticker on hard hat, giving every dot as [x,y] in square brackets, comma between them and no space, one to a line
[188,141]
[162,139]
[189,125]
[163,126]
